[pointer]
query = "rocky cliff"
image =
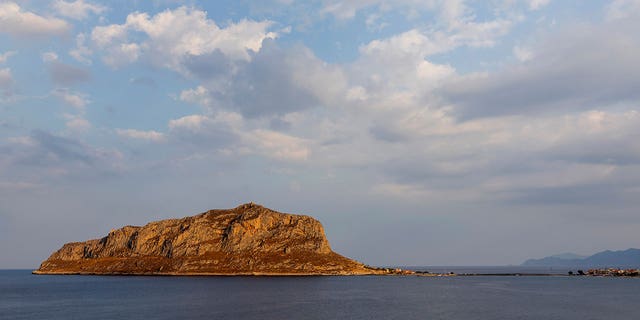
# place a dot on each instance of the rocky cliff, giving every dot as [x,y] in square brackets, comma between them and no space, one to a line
[249,239]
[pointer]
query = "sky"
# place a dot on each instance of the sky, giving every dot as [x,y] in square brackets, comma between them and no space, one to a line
[419,132]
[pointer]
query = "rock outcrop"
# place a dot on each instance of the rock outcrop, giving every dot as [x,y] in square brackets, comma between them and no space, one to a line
[247,240]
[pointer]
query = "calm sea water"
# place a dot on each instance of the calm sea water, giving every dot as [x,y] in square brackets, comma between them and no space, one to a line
[26,296]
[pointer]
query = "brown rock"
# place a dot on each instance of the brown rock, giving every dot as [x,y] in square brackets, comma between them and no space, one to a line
[249,239]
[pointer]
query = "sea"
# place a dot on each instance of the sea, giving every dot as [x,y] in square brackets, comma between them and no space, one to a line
[27,296]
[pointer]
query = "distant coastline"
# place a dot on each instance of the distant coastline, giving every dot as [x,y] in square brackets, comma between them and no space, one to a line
[622,259]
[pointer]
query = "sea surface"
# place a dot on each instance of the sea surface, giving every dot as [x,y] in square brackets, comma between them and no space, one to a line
[27,296]
[494,269]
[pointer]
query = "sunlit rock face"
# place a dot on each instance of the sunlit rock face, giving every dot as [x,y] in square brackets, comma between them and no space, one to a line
[248,239]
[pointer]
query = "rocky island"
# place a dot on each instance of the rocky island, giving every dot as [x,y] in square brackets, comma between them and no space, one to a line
[247,240]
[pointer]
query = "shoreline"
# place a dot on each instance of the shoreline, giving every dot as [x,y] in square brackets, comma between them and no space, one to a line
[268,274]
[201,274]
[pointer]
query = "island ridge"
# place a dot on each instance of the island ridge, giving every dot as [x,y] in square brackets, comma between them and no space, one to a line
[247,240]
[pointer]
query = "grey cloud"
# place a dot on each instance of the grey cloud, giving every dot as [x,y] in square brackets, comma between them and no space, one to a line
[424,171]
[267,85]
[42,152]
[600,150]
[568,74]
[273,82]
[590,170]
[63,149]
[334,141]
[386,134]
[209,66]
[211,136]
[65,74]
[594,194]
[279,124]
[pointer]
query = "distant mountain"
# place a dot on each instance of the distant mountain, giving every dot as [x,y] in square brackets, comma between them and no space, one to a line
[626,258]
[568,256]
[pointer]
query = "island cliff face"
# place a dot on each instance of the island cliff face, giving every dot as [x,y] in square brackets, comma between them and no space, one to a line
[247,240]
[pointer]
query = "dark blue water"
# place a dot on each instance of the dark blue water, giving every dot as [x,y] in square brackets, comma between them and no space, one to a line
[26,296]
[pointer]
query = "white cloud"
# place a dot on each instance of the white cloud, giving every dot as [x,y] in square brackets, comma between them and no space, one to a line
[76,122]
[122,54]
[325,82]
[173,35]
[386,116]
[454,12]
[395,72]
[199,95]
[49,56]
[105,35]
[194,123]
[151,135]
[344,10]
[456,23]
[467,32]
[277,145]
[456,18]
[75,100]
[357,93]
[522,54]
[16,22]
[401,190]
[623,9]
[197,123]
[5,56]
[78,9]
[413,43]
[373,22]
[462,31]
[538,4]
[81,52]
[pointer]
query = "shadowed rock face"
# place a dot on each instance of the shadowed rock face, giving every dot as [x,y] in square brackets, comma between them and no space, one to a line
[249,239]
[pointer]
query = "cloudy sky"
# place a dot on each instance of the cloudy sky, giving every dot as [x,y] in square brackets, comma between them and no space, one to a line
[419,132]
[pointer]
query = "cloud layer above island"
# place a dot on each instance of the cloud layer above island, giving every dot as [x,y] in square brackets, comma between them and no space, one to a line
[418,132]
